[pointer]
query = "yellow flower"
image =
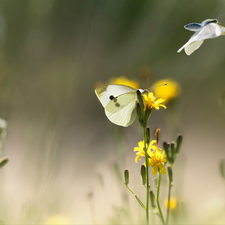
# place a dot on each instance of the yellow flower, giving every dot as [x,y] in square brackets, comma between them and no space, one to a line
[124,81]
[140,150]
[150,101]
[169,91]
[157,158]
[57,220]
[173,203]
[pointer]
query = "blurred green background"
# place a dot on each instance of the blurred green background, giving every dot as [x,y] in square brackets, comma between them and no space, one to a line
[60,144]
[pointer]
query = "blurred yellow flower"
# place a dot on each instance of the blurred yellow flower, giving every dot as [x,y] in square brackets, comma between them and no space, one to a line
[173,203]
[150,101]
[157,158]
[169,91]
[57,220]
[125,81]
[140,150]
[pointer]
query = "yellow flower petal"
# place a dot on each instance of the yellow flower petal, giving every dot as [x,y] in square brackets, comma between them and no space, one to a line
[157,158]
[136,158]
[163,106]
[158,153]
[162,168]
[150,101]
[154,170]
[160,100]
[150,153]
[139,151]
[136,149]
[152,142]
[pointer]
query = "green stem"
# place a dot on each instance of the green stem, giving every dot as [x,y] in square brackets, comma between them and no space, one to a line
[130,190]
[138,199]
[157,199]
[147,177]
[168,205]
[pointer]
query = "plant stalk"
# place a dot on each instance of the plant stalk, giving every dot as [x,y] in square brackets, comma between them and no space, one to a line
[168,205]
[157,199]
[147,177]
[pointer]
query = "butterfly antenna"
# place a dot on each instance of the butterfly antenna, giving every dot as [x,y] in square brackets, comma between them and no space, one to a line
[220,15]
[157,86]
[148,81]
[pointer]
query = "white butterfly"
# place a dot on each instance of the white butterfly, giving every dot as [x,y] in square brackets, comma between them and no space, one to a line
[119,102]
[210,28]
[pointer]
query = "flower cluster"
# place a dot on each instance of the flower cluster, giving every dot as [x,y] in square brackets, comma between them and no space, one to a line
[146,103]
[140,149]
[150,101]
[156,158]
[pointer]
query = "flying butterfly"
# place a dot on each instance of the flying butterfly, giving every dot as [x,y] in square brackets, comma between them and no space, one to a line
[207,29]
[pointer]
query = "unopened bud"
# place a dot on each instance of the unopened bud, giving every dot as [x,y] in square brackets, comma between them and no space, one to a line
[140,115]
[126,177]
[172,145]
[140,99]
[152,199]
[173,151]
[179,142]
[3,161]
[157,137]
[166,148]
[171,156]
[143,174]
[222,168]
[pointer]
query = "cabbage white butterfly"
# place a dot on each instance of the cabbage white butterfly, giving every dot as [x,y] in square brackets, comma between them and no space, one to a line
[119,102]
[209,28]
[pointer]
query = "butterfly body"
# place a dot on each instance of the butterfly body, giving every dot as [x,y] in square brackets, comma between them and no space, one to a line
[119,102]
[207,29]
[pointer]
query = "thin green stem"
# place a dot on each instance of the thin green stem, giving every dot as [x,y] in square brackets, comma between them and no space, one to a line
[168,204]
[130,190]
[157,199]
[147,177]
[138,199]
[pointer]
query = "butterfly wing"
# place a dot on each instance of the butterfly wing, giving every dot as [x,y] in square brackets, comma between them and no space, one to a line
[192,47]
[121,101]
[193,26]
[222,28]
[210,30]
[122,111]
[105,93]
